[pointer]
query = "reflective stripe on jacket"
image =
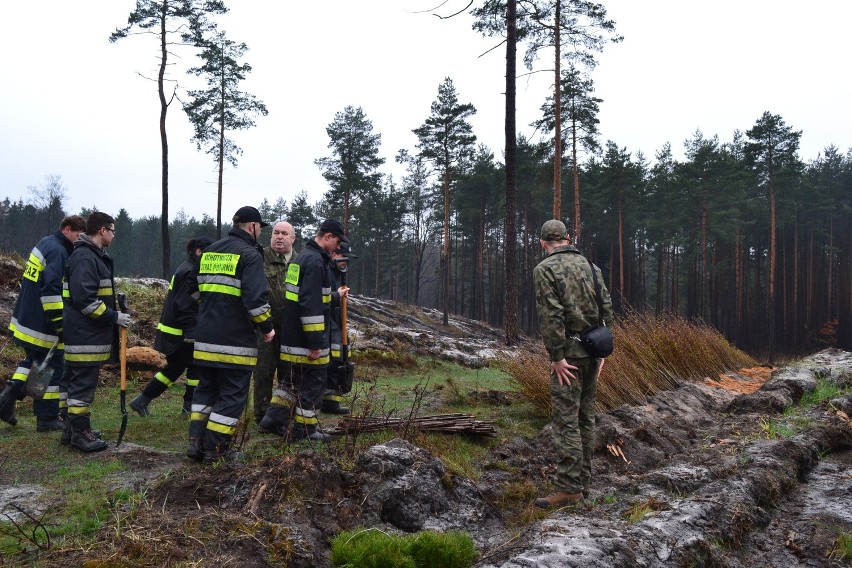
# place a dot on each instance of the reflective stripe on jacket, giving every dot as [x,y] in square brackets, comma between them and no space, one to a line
[88,292]
[37,317]
[180,310]
[305,320]
[233,291]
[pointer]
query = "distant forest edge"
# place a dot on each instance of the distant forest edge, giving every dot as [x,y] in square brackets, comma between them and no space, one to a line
[689,237]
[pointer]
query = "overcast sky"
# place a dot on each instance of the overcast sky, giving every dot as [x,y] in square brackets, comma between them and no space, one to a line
[76,106]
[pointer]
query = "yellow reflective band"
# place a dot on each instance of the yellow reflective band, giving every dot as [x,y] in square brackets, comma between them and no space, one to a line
[104,291]
[335,353]
[172,282]
[164,379]
[200,416]
[50,396]
[303,359]
[262,317]
[305,419]
[220,288]
[313,327]
[86,358]
[218,263]
[221,358]
[221,428]
[333,397]
[291,296]
[52,306]
[170,330]
[98,311]
[66,293]
[192,382]
[30,339]
[78,410]
[18,375]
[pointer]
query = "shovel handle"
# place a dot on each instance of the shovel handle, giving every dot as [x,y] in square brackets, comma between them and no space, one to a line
[122,355]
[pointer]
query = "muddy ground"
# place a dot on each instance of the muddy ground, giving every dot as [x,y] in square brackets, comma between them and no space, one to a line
[693,477]
[696,476]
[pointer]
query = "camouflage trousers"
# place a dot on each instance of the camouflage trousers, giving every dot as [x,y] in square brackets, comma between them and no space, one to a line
[573,420]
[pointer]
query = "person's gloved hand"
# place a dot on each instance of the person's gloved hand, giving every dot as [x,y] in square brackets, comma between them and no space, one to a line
[124,319]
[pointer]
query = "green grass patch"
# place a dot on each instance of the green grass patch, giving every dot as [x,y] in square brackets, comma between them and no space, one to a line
[372,548]
[842,548]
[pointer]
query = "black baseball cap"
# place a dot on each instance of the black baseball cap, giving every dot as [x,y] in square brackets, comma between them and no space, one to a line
[249,214]
[332,226]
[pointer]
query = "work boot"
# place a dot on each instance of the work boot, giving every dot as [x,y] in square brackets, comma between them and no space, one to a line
[65,439]
[195,452]
[197,430]
[333,407]
[86,441]
[559,499]
[48,424]
[310,433]
[82,437]
[275,421]
[140,405]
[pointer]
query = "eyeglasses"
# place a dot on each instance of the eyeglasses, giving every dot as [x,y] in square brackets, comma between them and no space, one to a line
[111,230]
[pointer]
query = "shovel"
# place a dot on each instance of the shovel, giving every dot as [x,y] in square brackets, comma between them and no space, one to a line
[348,371]
[122,359]
[40,375]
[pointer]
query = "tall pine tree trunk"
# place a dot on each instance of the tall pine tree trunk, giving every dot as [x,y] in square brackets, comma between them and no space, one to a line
[557,114]
[510,236]
[164,144]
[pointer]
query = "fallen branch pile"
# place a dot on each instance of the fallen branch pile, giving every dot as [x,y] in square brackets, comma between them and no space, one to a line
[449,423]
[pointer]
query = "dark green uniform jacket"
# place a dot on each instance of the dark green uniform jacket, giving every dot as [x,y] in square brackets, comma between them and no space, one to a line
[565,300]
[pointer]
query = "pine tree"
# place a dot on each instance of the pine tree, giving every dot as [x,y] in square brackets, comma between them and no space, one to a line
[447,139]
[221,107]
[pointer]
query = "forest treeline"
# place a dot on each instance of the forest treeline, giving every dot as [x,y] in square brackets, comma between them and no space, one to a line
[690,236]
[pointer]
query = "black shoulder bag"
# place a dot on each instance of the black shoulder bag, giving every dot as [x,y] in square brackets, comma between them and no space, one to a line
[597,340]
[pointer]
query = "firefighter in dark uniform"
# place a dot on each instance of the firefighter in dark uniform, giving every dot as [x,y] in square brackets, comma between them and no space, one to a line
[37,324]
[176,332]
[305,351]
[341,371]
[233,303]
[89,323]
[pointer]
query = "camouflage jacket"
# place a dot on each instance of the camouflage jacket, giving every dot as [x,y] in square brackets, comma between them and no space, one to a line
[275,266]
[565,301]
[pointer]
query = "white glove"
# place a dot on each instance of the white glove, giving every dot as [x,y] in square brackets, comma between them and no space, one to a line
[124,319]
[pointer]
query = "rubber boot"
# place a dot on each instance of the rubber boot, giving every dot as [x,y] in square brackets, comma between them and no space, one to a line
[82,437]
[12,393]
[275,421]
[140,405]
[330,406]
[197,428]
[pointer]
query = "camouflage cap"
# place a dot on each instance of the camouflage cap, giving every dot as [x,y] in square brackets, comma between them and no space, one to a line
[554,230]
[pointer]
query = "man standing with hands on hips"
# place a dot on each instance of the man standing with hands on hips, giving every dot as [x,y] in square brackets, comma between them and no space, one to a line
[566,304]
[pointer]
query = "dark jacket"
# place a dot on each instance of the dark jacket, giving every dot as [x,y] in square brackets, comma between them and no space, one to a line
[305,321]
[89,317]
[336,319]
[37,317]
[233,291]
[180,311]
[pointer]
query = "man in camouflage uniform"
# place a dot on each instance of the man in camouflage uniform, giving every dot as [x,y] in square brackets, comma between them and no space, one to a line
[566,305]
[276,257]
